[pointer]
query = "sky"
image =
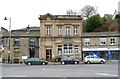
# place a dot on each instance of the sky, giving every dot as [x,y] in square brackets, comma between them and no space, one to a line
[26,12]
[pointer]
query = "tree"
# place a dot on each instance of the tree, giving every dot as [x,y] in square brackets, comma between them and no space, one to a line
[71,12]
[92,23]
[117,17]
[88,11]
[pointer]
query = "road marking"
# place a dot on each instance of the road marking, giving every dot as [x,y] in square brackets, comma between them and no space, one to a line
[43,69]
[104,74]
[14,76]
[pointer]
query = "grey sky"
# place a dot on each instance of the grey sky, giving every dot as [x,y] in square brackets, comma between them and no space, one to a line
[24,12]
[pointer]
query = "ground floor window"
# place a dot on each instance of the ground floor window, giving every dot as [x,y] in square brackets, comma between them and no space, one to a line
[68,49]
[115,54]
[76,49]
[59,49]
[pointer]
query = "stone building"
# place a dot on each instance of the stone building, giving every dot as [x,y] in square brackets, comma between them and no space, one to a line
[102,44]
[60,35]
[22,42]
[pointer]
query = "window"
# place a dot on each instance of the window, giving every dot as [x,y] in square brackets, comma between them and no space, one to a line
[112,41]
[67,30]
[102,41]
[32,41]
[59,49]
[68,48]
[75,30]
[16,41]
[3,41]
[48,30]
[76,49]
[59,30]
[87,41]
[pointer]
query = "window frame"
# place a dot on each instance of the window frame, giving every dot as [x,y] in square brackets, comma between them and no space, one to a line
[87,41]
[31,43]
[113,42]
[48,30]
[17,42]
[102,41]
[75,30]
[67,30]
[59,30]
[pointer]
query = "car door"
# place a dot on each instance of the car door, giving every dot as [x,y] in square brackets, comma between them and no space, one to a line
[96,59]
[92,60]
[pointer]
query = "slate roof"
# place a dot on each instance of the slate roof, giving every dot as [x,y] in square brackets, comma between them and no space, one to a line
[101,34]
[29,31]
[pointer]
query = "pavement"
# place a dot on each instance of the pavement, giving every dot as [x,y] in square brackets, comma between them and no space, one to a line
[58,63]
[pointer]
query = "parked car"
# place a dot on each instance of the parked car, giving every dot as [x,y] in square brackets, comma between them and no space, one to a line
[35,61]
[93,59]
[69,61]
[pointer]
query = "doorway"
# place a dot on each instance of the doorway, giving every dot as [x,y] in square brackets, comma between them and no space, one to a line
[48,54]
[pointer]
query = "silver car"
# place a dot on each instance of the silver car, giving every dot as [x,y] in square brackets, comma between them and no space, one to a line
[93,59]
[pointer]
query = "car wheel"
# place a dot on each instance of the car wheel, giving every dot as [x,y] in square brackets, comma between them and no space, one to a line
[102,62]
[63,63]
[75,62]
[29,63]
[43,63]
[88,62]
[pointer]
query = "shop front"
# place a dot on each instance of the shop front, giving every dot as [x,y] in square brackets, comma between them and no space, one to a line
[106,53]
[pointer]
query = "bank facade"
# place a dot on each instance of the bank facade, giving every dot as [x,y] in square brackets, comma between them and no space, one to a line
[60,36]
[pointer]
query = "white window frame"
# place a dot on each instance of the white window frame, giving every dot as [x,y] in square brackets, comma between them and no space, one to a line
[76,49]
[102,40]
[67,30]
[68,51]
[75,30]
[59,30]
[111,42]
[87,41]
[48,30]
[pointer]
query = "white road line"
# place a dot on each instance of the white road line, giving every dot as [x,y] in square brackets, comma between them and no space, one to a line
[104,74]
[14,76]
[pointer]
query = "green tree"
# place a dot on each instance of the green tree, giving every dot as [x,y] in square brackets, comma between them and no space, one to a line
[117,17]
[92,23]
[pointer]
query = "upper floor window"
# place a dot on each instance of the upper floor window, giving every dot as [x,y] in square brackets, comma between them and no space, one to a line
[112,41]
[31,41]
[102,41]
[75,30]
[87,41]
[48,30]
[67,30]
[16,41]
[59,30]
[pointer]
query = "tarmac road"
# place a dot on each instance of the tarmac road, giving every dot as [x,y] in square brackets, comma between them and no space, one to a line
[80,70]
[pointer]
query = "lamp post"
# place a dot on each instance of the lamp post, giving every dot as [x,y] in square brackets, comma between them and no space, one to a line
[6,18]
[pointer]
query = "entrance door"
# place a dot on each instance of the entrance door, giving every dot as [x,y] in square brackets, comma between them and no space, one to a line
[48,54]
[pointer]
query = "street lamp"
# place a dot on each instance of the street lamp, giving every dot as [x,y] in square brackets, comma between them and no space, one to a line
[6,18]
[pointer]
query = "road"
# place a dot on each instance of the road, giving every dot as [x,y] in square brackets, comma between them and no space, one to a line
[80,70]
